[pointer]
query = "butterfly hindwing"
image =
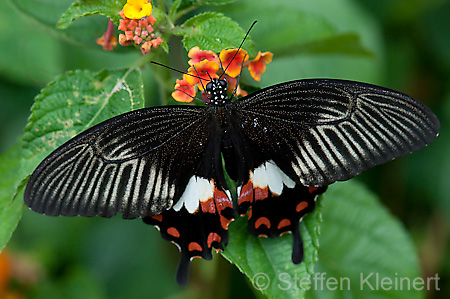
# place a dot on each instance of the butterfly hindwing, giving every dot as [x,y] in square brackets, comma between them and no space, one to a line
[275,204]
[196,232]
[320,131]
[137,164]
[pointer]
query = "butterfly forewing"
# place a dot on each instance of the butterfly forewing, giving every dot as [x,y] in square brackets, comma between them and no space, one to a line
[321,131]
[136,164]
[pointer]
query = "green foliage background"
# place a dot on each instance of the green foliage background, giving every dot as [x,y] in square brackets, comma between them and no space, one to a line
[392,220]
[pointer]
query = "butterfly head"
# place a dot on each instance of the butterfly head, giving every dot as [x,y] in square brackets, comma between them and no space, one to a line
[216,90]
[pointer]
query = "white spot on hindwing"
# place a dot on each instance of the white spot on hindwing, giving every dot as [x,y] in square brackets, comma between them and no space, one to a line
[270,175]
[197,190]
[228,193]
[260,176]
[200,189]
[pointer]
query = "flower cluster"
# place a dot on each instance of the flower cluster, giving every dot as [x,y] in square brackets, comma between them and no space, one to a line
[137,25]
[139,32]
[206,64]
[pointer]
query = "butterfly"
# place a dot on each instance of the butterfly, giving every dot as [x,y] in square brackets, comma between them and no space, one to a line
[282,145]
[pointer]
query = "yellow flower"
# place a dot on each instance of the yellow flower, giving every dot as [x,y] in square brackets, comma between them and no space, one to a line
[137,9]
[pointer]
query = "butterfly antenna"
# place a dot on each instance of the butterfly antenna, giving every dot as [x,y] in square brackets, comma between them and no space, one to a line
[195,98]
[200,79]
[220,62]
[240,46]
[178,71]
[238,79]
[170,68]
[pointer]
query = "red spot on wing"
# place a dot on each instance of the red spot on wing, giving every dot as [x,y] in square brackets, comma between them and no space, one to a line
[224,222]
[208,206]
[262,221]
[312,189]
[194,246]
[261,193]
[213,237]
[284,223]
[222,202]
[158,217]
[250,213]
[301,206]
[173,232]
[246,192]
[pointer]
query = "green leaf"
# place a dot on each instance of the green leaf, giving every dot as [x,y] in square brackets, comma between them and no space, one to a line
[359,237]
[81,8]
[183,6]
[11,205]
[74,102]
[214,31]
[196,3]
[267,262]
[174,8]
[339,44]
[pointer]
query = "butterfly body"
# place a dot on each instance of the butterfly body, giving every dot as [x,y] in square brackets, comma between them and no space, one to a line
[282,145]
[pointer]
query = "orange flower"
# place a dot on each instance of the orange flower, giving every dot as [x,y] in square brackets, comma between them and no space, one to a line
[184,92]
[107,42]
[151,20]
[232,86]
[123,24]
[198,55]
[137,9]
[205,69]
[205,65]
[233,69]
[258,65]
[156,42]
[148,45]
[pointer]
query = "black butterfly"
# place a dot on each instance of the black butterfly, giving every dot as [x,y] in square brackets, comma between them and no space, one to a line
[282,145]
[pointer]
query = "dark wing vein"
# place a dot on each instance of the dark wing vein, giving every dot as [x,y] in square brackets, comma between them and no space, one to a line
[123,165]
[322,130]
